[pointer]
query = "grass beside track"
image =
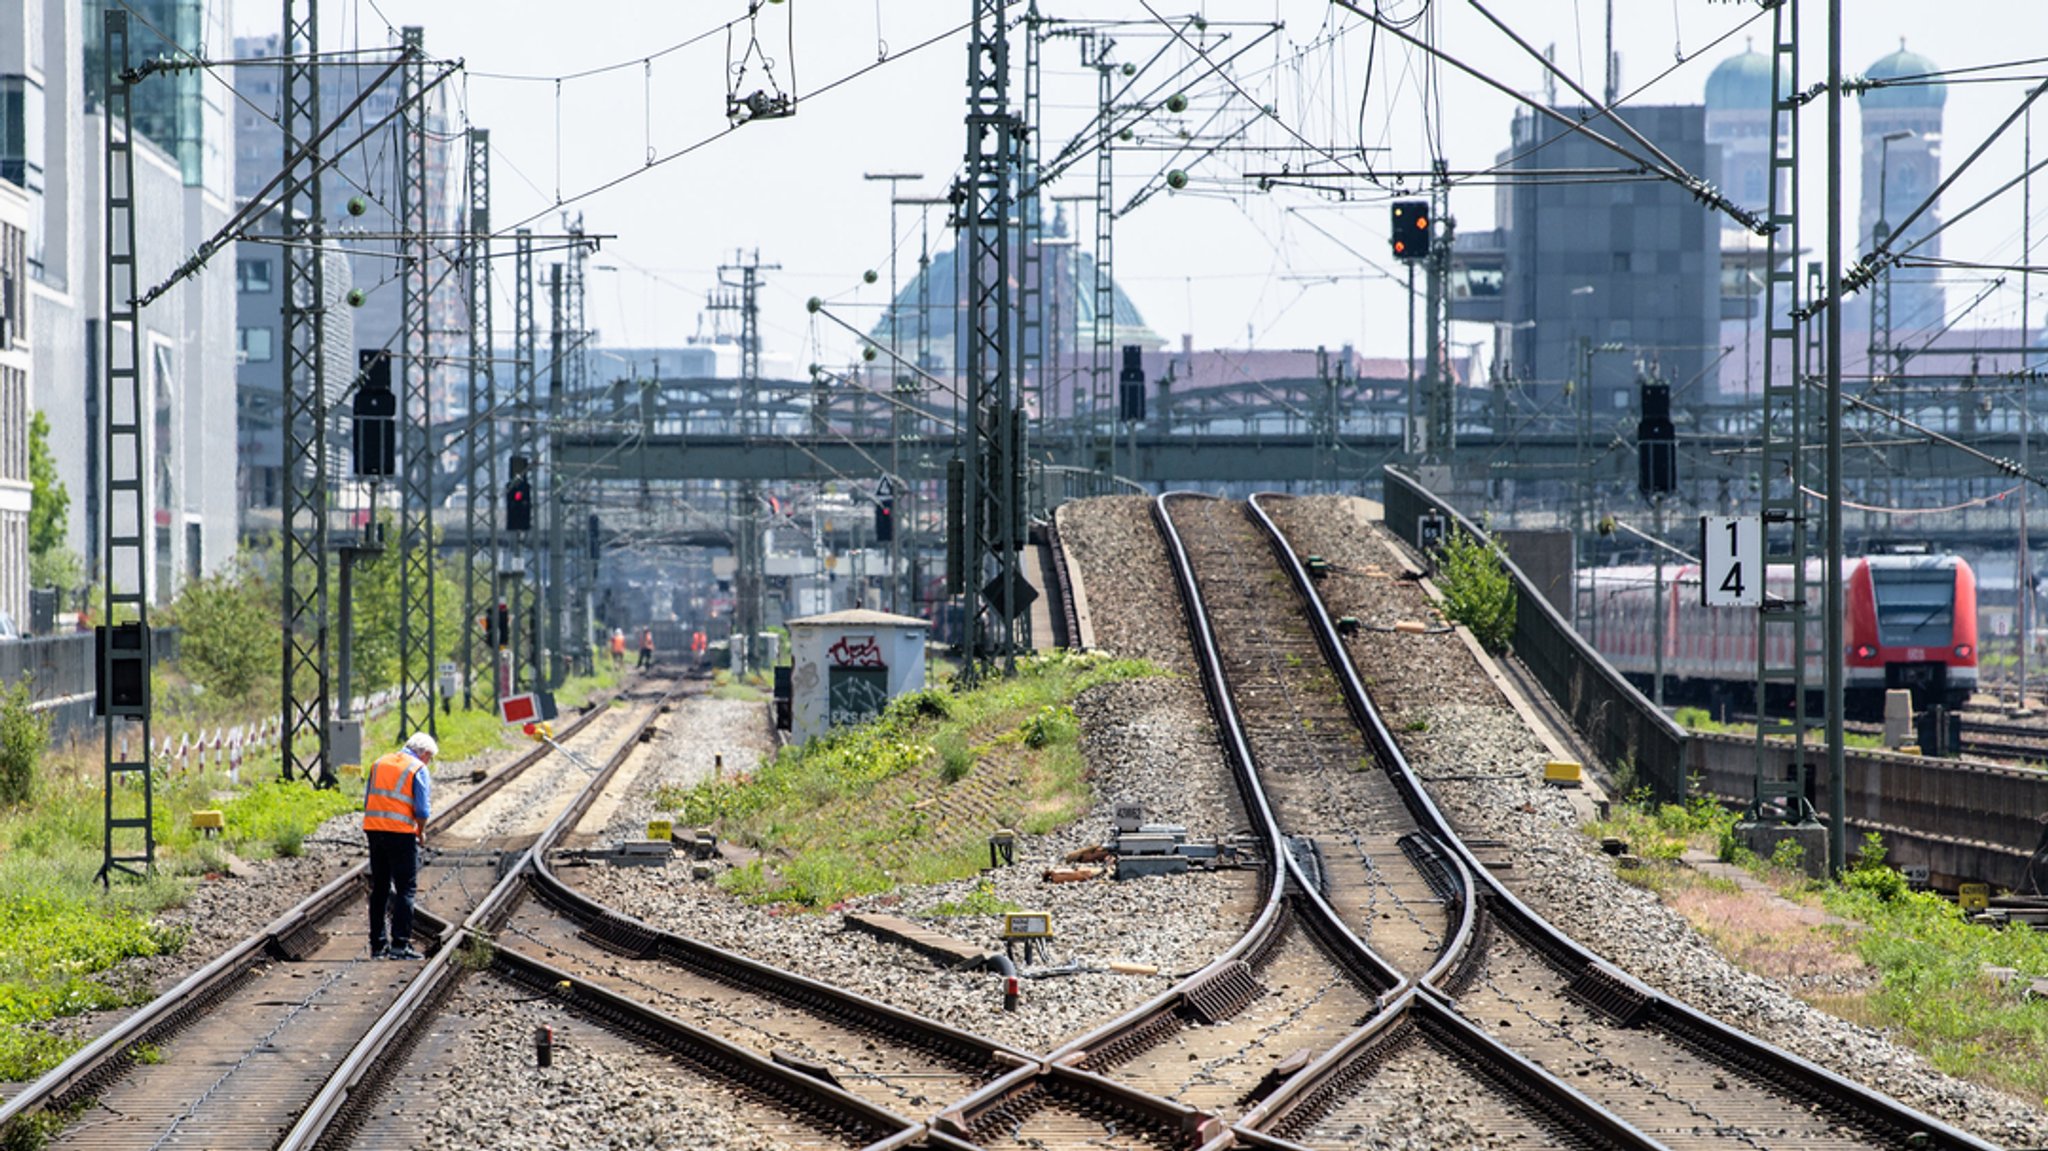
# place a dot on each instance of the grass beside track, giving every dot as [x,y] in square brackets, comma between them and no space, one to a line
[1868,950]
[63,938]
[912,796]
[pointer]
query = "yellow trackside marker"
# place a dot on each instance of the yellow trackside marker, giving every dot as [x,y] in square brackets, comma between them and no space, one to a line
[659,829]
[1973,896]
[209,821]
[1563,773]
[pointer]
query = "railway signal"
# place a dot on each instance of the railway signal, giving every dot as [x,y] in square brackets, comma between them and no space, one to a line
[374,419]
[1410,232]
[519,498]
[885,513]
[1656,441]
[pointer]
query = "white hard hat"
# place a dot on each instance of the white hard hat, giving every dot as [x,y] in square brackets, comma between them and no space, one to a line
[422,744]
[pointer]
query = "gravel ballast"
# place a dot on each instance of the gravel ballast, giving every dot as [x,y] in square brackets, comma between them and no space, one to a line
[1449,722]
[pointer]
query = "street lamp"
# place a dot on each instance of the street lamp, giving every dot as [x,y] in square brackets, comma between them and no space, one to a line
[1880,235]
[898,594]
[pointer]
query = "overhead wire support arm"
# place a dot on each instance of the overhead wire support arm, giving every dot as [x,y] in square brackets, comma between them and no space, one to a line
[1082,146]
[1700,188]
[261,203]
[1865,270]
[1704,192]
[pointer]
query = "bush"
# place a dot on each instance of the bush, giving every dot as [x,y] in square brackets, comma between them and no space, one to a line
[229,625]
[23,735]
[1477,590]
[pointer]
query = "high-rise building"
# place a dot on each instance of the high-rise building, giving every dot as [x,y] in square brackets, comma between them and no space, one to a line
[1631,264]
[16,364]
[363,244]
[52,63]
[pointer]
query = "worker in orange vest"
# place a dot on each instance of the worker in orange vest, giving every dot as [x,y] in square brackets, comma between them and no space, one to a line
[618,648]
[395,812]
[647,647]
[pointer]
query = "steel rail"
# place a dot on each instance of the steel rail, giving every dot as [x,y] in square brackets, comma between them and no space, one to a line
[831,1105]
[1338,1072]
[358,1074]
[1284,886]
[630,936]
[1531,1082]
[1063,584]
[97,1063]
[355,1083]
[1648,1007]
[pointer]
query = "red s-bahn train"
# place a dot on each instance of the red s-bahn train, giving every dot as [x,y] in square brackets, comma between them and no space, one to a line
[1911,623]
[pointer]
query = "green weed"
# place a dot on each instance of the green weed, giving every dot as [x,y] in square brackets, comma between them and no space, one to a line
[844,814]
[981,901]
[1476,588]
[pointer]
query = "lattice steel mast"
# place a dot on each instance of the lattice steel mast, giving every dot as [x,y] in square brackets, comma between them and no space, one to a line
[550,500]
[1031,358]
[1787,630]
[124,656]
[480,439]
[582,490]
[416,646]
[988,531]
[748,560]
[526,340]
[303,570]
[1102,352]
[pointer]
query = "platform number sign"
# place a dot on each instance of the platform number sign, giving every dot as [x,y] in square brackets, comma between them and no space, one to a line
[1732,548]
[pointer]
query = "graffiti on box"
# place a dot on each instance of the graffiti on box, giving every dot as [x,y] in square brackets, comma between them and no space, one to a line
[856,651]
[856,694]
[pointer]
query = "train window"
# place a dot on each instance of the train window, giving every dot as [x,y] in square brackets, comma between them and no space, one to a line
[1914,608]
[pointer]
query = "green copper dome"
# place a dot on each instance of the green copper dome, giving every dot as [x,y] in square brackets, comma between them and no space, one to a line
[1899,64]
[1741,83]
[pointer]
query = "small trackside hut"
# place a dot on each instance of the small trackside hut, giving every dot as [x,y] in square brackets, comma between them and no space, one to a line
[847,665]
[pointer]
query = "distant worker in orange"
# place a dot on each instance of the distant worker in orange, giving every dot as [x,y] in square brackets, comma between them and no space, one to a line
[618,648]
[647,647]
[395,812]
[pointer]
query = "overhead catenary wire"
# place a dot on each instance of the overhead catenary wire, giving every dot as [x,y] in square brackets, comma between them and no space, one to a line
[689,149]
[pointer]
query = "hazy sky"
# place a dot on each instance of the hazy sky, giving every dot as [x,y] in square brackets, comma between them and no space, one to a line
[1220,259]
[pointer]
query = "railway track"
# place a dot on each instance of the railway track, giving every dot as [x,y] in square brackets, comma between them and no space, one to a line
[233,1021]
[1418,901]
[1651,1065]
[805,1062]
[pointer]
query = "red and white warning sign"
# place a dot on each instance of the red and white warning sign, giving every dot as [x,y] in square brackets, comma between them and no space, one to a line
[519,709]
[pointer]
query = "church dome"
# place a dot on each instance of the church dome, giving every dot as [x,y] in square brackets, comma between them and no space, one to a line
[1898,65]
[1741,83]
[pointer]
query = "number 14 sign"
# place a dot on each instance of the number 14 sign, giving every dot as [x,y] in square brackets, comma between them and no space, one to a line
[1733,550]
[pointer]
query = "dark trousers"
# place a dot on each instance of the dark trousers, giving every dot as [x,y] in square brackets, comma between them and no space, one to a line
[394,866]
[646,657]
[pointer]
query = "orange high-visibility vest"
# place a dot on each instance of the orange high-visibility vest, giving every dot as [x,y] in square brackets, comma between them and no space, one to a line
[388,805]
[619,644]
